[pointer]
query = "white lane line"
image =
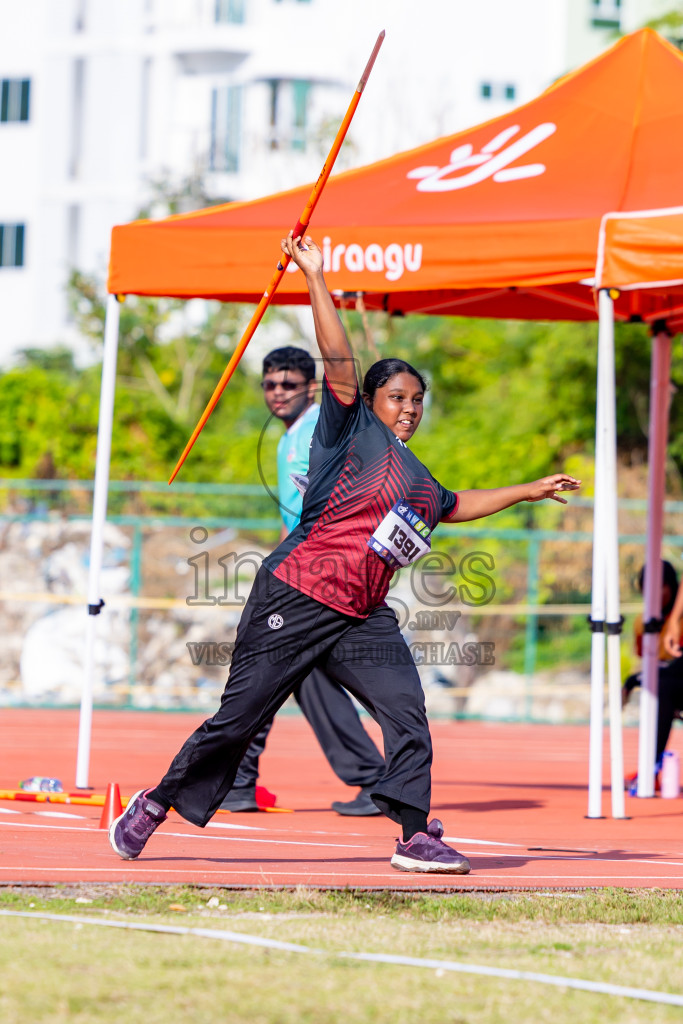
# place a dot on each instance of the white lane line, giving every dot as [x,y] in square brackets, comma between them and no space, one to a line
[481,842]
[614,881]
[597,859]
[284,831]
[193,835]
[351,846]
[61,814]
[669,863]
[241,828]
[290,831]
[57,828]
[240,938]
[269,842]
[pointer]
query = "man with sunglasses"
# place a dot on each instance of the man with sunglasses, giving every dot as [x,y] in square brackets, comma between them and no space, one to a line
[289,388]
[289,392]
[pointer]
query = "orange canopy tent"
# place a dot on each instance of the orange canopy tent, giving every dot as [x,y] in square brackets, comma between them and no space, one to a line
[642,249]
[640,254]
[502,220]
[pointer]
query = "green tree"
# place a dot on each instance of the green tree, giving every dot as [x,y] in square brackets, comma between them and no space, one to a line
[670,25]
[510,397]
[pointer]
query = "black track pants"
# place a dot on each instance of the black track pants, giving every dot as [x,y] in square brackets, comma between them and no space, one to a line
[670,690]
[331,714]
[281,637]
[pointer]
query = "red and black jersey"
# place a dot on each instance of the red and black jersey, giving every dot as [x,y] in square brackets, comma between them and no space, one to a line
[357,472]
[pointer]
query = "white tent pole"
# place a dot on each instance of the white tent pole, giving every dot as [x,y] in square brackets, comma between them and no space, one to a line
[658,427]
[611,541]
[99,514]
[598,595]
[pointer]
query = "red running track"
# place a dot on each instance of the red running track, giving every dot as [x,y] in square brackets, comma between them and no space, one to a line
[512,797]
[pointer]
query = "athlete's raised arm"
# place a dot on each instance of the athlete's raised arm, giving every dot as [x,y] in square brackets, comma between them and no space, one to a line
[331,337]
[480,503]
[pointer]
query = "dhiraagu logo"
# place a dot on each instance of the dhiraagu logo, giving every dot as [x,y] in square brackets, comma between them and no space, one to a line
[497,159]
[391,260]
[492,161]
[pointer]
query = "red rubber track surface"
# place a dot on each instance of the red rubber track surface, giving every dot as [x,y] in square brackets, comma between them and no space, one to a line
[512,797]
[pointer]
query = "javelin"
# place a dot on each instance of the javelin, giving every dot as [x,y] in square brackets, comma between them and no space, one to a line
[299,230]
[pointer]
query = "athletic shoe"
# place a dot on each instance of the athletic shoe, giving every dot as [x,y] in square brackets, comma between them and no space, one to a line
[264,798]
[130,831]
[240,798]
[426,851]
[631,783]
[361,807]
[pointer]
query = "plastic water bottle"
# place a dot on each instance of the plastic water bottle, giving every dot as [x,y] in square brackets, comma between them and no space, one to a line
[41,784]
[671,775]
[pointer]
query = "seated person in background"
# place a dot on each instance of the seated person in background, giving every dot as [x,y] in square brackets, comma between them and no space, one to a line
[670,677]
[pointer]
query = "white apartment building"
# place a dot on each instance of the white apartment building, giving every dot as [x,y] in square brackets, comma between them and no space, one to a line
[99,99]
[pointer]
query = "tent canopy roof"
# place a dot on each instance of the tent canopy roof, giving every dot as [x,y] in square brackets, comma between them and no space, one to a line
[500,220]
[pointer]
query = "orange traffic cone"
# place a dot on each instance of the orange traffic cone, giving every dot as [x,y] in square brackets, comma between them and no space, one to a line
[112,805]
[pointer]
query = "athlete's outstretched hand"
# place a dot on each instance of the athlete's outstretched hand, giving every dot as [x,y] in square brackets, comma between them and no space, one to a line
[671,637]
[304,252]
[547,487]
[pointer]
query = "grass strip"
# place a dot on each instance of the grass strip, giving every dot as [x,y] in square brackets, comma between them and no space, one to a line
[604,906]
[63,972]
[561,981]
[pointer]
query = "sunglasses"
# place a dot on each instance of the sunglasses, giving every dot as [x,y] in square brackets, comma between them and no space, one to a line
[286,385]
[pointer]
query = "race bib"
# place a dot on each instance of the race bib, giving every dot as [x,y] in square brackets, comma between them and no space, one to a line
[401,537]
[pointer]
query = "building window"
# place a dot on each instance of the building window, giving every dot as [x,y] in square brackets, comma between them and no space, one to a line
[300,92]
[73,230]
[80,16]
[231,11]
[273,103]
[12,245]
[14,99]
[606,13]
[145,90]
[226,128]
[288,113]
[77,110]
[497,91]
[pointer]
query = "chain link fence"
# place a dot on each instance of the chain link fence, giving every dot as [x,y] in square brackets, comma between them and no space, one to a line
[495,616]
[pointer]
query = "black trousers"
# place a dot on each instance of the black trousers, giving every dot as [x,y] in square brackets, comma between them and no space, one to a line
[330,712]
[670,692]
[669,699]
[281,637]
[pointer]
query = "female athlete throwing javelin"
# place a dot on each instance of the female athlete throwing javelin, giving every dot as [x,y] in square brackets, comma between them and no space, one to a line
[318,599]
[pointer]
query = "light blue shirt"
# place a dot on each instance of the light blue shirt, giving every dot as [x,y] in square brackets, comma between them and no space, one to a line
[292,457]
